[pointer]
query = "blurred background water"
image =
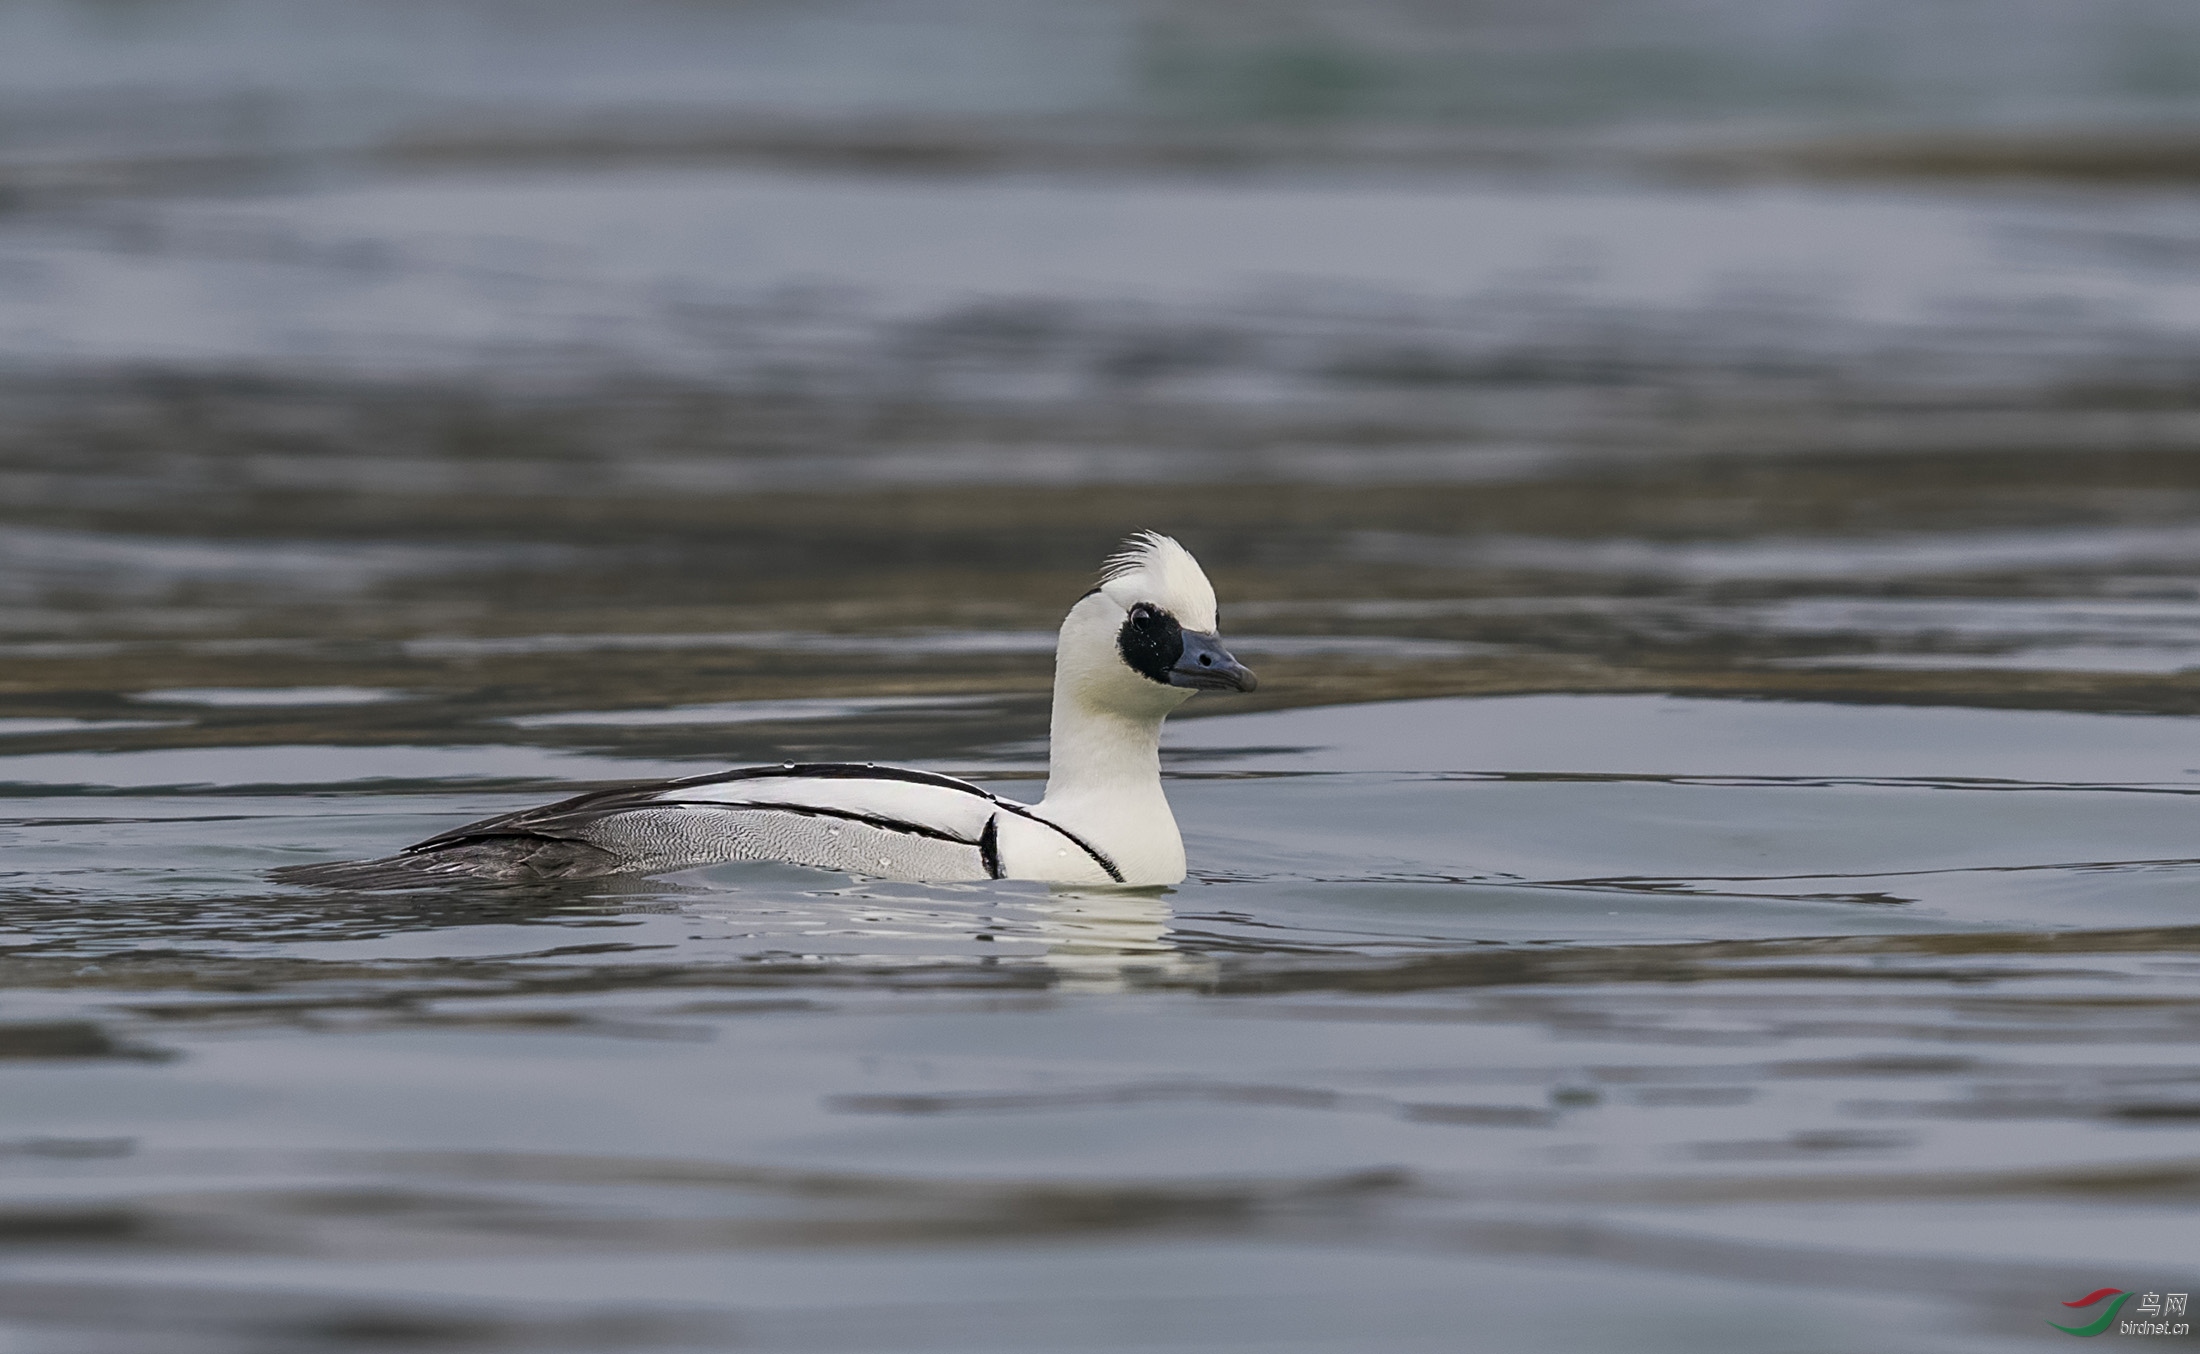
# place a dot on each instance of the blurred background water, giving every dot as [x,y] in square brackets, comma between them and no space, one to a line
[1710,489]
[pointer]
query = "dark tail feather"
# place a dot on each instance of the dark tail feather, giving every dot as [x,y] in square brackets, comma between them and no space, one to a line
[515,859]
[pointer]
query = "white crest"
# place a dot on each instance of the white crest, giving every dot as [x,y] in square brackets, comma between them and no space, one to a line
[1153,568]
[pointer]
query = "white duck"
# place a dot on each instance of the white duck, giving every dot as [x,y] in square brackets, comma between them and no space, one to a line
[1130,651]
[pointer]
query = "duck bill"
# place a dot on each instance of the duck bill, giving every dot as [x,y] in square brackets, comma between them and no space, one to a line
[1207,666]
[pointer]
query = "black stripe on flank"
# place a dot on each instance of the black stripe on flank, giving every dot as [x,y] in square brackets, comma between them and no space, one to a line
[813,811]
[989,846]
[989,839]
[562,817]
[567,818]
[829,771]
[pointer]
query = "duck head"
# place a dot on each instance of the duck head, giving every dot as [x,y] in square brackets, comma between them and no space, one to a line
[1146,639]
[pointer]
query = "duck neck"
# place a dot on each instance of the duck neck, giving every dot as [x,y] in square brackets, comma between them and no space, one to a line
[1099,755]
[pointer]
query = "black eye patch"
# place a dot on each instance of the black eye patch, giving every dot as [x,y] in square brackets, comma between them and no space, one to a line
[1150,641]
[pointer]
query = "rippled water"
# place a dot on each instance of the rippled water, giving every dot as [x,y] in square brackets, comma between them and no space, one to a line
[1573,1019]
[1709,865]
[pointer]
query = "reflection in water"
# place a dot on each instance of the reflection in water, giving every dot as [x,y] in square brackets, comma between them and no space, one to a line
[1084,939]
[1103,939]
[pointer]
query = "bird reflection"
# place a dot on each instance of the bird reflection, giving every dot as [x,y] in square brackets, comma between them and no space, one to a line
[1108,938]
[1081,935]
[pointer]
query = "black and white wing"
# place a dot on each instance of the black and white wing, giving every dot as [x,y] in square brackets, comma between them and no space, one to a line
[885,822]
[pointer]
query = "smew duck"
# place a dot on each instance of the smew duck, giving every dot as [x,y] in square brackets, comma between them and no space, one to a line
[1130,651]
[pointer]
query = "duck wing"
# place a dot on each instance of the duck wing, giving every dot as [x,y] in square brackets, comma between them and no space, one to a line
[885,822]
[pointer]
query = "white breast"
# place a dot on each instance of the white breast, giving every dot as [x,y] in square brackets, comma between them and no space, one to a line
[1031,848]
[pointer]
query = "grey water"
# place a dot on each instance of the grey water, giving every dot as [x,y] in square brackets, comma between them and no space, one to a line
[1712,493]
